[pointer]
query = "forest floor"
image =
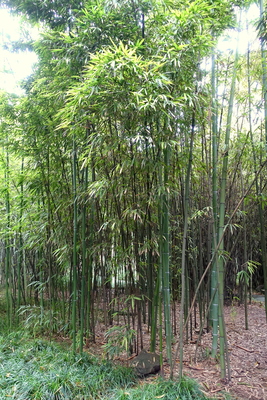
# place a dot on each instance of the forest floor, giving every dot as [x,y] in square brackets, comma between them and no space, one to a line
[247,350]
[248,356]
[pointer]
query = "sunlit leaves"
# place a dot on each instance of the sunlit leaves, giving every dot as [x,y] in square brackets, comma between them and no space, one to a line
[57,14]
[119,82]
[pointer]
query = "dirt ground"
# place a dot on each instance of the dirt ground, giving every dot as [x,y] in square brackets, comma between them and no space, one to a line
[248,356]
[247,350]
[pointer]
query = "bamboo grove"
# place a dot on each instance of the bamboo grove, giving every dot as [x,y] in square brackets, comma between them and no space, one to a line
[133,173]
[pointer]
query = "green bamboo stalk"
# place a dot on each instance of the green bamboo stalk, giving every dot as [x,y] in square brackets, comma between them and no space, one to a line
[166,257]
[219,242]
[150,284]
[224,357]
[160,335]
[256,180]
[154,311]
[214,281]
[84,261]
[264,86]
[90,328]
[245,257]
[7,240]
[158,295]
[20,257]
[75,234]
[184,246]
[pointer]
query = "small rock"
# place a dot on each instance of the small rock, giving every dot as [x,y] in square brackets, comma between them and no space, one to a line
[260,289]
[146,363]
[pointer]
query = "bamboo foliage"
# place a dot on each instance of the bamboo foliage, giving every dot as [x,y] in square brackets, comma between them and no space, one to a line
[118,174]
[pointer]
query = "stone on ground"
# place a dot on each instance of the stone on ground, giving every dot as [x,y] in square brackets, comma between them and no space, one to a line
[146,363]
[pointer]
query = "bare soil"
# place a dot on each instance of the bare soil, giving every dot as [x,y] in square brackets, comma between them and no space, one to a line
[248,356]
[247,350]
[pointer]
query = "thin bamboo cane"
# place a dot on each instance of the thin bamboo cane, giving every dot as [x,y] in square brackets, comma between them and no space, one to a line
[74,250]
[264,84]
[166,258]
[186,209]
[214,281]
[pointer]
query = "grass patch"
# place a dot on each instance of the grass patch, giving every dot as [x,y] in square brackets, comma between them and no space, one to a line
[40,370]
[162,389]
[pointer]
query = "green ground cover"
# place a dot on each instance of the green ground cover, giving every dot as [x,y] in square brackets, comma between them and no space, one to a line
[41,370]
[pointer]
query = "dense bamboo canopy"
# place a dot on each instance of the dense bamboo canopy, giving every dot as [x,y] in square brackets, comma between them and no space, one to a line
[133,171]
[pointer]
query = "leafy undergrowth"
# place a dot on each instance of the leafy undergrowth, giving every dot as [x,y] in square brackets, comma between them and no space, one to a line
[161,389]
[40,370]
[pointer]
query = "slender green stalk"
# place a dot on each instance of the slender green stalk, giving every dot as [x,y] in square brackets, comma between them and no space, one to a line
[90,328]
[154,311]
[220,266]
[75,234]
[161,335]
[157,296]
[20,257]
[264,85]
[7,240]
[245,283]
[214,280]
[256,180]
[84,263]
[184,246]
[219,242]
[166,258]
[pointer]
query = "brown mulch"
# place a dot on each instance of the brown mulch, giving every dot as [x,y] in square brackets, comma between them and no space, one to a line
[248,356]
[247,350]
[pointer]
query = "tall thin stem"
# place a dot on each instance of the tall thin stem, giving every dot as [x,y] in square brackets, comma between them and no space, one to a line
[184,246]
[264,85]
[75,234]
[166,257]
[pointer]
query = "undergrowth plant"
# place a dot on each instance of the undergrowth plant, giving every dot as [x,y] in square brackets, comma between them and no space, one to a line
[41,370]
[37,320]
[119,340]
[185,389]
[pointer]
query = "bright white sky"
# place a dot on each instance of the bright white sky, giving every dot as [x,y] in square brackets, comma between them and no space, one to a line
[17,66]
[228,41]
[13,66]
